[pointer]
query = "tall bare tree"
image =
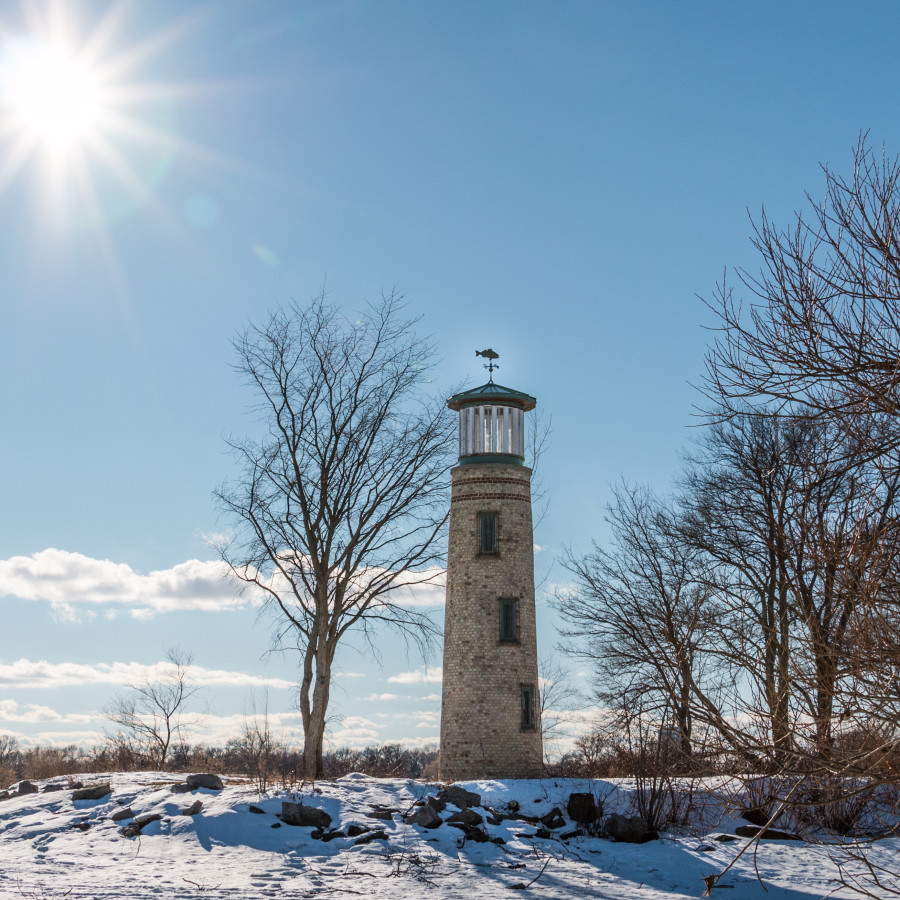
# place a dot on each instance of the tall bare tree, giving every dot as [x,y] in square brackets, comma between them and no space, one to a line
[340,505]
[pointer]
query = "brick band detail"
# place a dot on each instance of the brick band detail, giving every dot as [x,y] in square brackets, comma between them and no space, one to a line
[490,497]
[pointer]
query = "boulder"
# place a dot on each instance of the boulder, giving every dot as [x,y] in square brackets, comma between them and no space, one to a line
[371,836]
[212,782]
[5,795]
[757,816]
[472,832]
[425,817]
[133,829]
[121,814]
[769,834]
[181,788]
[437,804]
[553,819]
[724,838]
[382,812]
[50,788]
[467,817]
[256,810]
[26,787]
[460,797]
[629,830]
[304,816]
[582,808]
[92,791]
[80,826]
[356,830]
[193,809]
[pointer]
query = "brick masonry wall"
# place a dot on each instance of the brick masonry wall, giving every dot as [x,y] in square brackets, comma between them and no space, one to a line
[481,731]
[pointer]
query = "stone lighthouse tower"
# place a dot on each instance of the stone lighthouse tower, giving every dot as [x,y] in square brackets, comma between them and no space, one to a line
[490,715]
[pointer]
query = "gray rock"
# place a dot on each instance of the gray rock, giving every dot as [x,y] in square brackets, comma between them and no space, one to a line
[92,791]
[437,804]
[724,838]
[121,814]
[50,788]
[304,816]
[138,825]
[181,788]
[80,826]
[193,809]
[631,830]
[356,830]
[582,808]
[26,787]
[382,812]
[256,810]
[5,795]
[212,782]
[460,797]
[769,834]
[467,817]
[553,819]
[758,816]
[371,836]
[425,817]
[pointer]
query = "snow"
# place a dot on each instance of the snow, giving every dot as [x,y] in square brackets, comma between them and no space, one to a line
[227,851]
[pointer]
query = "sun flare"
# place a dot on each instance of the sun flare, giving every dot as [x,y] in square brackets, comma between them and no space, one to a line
[51,96]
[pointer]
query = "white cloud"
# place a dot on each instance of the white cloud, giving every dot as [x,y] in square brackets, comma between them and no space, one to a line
[69,581]
[30,713]
[373,697]
[73,583]
[430,674]
[355,732]
[25,673]
[432,697]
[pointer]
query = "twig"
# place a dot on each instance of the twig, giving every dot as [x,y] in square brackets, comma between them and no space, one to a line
[521,886]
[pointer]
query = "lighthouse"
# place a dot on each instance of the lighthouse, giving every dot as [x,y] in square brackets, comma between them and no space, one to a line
[490,711]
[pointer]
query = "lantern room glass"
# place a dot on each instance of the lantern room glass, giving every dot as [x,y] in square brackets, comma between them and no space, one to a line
[491,428]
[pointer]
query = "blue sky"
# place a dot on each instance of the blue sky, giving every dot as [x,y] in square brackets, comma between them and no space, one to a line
[559,181]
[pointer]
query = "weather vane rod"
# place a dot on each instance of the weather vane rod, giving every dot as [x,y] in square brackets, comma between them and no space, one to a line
[490,356]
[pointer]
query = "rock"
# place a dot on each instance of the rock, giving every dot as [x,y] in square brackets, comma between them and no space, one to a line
[382,812]
[26,787]
[472,832]
[631,830]
[553,819]
[724,838]
[74,785]
[467,817]
[424,817]
[304,816]
[50,788]
[212,782]
[134,828]
[182,788]
[193,809]
[276,825]
[356,830]
[568,835]
[256,810]
[437,804]
[582,808]
[5,795]
[331,835]
[121,814]
[80,826]
[757,816]
[92,791]
[460,797]
[769,834]
[513,806]
[497,840]
[371,836]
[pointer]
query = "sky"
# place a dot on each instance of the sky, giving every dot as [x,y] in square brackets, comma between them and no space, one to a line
[562,182]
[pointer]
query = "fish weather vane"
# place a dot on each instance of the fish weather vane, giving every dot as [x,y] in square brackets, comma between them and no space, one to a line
[490,356]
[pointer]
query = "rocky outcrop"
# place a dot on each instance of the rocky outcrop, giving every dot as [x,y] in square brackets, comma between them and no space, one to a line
[208,780]
[92,791]
[304,816]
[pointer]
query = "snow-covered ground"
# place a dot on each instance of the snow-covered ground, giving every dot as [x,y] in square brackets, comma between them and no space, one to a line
[53,846]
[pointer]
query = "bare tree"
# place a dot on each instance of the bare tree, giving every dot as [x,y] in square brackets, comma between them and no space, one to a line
[152,716]
[640,614]
[819,333]
[340,506]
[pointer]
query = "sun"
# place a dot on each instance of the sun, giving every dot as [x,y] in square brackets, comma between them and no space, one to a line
[52,98]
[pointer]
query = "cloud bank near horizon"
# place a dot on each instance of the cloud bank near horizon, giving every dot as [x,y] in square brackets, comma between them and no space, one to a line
[73,583]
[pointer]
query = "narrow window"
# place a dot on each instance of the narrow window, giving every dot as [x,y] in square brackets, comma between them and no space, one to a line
[527,691]
[509,620]
[487,540]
